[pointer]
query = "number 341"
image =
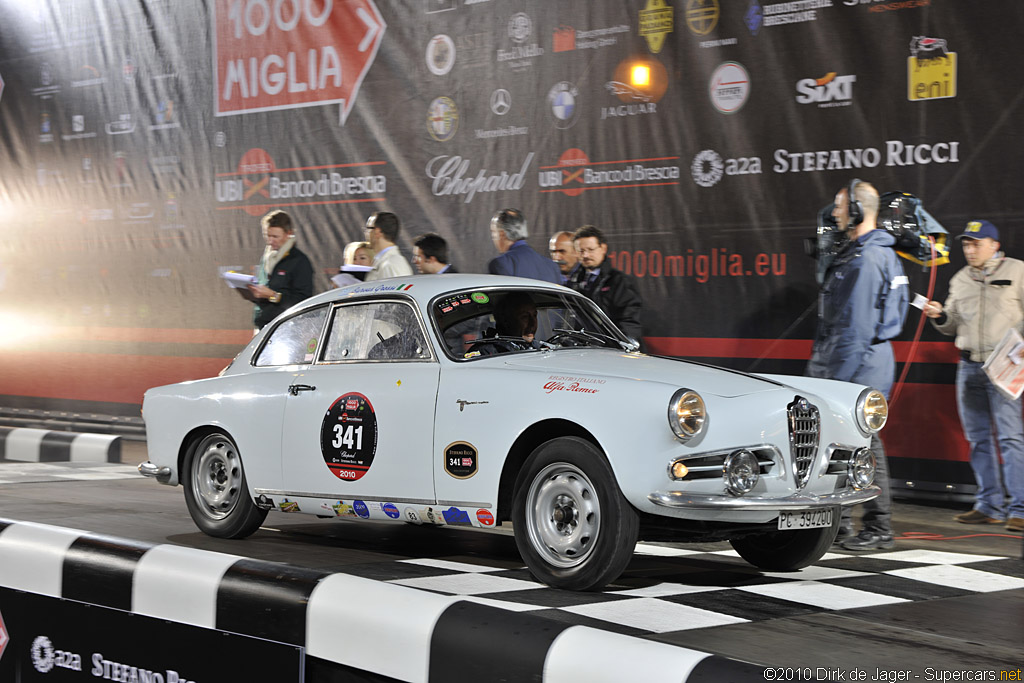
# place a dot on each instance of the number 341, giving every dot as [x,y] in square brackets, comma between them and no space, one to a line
[348,436]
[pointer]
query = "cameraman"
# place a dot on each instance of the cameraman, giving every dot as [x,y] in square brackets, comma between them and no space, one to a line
[862,305]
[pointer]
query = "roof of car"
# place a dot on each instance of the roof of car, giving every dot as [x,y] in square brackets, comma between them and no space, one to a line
[426,287]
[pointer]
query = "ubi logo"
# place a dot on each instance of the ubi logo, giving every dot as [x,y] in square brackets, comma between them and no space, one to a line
[567,175]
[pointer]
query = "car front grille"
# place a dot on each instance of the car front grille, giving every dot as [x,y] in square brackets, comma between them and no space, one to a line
[804,432]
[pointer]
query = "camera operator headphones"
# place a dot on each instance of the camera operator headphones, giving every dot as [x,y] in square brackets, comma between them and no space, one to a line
[856,211]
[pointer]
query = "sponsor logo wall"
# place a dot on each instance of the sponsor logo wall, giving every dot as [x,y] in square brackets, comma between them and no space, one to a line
[133,169]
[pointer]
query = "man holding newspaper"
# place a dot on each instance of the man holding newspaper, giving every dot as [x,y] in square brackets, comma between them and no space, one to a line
[985,310]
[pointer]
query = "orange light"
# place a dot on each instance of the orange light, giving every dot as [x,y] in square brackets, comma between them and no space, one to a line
[679,470]
[640,75]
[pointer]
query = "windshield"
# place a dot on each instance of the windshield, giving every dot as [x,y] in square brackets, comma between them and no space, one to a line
[485,322]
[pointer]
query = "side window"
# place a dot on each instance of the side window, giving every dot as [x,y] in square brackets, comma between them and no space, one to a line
[294,341]
[383,330]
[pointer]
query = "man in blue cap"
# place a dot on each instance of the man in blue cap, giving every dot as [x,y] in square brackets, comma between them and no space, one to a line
[986,299]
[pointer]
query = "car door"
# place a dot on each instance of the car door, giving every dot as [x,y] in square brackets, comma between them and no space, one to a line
[360,423]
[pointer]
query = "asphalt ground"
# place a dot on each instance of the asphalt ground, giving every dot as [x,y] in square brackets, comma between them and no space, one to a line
[966,615]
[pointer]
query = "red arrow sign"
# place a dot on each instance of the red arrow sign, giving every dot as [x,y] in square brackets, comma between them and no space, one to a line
[4,638]
[283,54]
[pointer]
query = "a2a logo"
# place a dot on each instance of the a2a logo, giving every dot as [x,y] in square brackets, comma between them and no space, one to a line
[830,90]
[708,167]
[45,657]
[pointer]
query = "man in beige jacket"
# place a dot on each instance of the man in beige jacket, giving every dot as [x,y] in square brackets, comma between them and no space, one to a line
[382,230]
[986,299]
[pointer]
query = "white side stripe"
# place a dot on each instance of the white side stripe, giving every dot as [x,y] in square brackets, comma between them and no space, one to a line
[179,584]
[33,557]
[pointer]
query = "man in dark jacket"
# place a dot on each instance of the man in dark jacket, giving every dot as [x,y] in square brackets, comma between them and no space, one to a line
[612,290]
[862,305]
[285,275]
[508,232]
[430,255]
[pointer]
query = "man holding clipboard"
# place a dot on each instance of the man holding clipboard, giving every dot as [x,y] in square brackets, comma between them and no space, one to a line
[985,302]
[285,275]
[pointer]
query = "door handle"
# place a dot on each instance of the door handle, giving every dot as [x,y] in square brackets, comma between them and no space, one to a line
[294,389]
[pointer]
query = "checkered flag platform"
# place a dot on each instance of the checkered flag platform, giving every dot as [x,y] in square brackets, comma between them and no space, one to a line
[669,589]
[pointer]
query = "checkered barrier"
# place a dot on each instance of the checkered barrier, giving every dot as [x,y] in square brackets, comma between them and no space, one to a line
[43,445]
[352,628]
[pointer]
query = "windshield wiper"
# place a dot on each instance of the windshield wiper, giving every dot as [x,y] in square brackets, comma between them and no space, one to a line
[580,334]
[517,343]
[590,336]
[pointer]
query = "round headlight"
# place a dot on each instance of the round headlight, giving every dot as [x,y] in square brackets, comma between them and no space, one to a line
[741,472]
[872,411]
[861,470]
[686,414]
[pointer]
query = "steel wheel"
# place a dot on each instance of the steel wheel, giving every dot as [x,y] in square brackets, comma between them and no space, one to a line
[216,493]
[565,515]
[572,525]
[217,476]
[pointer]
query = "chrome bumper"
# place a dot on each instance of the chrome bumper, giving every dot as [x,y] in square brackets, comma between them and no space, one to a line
[800,501]
[148,469]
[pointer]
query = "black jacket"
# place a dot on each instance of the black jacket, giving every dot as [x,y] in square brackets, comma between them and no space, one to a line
[292,278]
[615,293]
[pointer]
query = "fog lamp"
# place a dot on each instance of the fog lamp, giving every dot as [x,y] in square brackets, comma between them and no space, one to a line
[741,472]
[861,470]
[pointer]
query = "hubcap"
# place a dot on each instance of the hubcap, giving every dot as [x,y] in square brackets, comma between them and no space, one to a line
[216,476]
[563,515]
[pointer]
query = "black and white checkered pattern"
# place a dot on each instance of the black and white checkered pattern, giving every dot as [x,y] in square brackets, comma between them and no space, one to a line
[669,589]
[43,445]
[346,623]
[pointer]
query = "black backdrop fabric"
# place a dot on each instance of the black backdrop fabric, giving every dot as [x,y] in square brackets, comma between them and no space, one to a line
[141,140]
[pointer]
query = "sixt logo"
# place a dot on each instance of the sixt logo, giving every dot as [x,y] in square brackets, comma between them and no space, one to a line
[828,91]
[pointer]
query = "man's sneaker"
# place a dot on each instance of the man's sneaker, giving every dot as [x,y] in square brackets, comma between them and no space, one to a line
[868,540]
[975,517]
[1015,524]
[844,533]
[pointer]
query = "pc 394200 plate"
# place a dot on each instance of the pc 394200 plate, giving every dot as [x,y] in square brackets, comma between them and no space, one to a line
[806,519]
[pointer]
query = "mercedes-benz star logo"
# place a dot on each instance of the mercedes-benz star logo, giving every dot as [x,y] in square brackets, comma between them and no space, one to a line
[501,101]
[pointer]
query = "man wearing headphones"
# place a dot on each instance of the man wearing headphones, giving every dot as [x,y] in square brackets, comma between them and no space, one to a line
[862,305]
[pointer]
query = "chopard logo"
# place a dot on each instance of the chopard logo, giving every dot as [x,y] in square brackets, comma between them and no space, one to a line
[451,175]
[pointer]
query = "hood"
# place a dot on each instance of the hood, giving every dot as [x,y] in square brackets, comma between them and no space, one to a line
[880,237]
[642,368]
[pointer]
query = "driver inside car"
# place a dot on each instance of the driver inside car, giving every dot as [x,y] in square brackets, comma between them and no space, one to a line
[515,327]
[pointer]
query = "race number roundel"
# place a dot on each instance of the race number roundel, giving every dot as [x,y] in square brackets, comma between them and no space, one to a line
[348,437]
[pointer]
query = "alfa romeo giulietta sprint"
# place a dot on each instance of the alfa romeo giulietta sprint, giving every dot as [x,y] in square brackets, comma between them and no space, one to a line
[472,400]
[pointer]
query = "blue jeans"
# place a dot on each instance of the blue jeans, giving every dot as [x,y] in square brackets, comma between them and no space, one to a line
[989,417]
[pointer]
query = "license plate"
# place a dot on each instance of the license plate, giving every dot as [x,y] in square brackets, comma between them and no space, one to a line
[808,519]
